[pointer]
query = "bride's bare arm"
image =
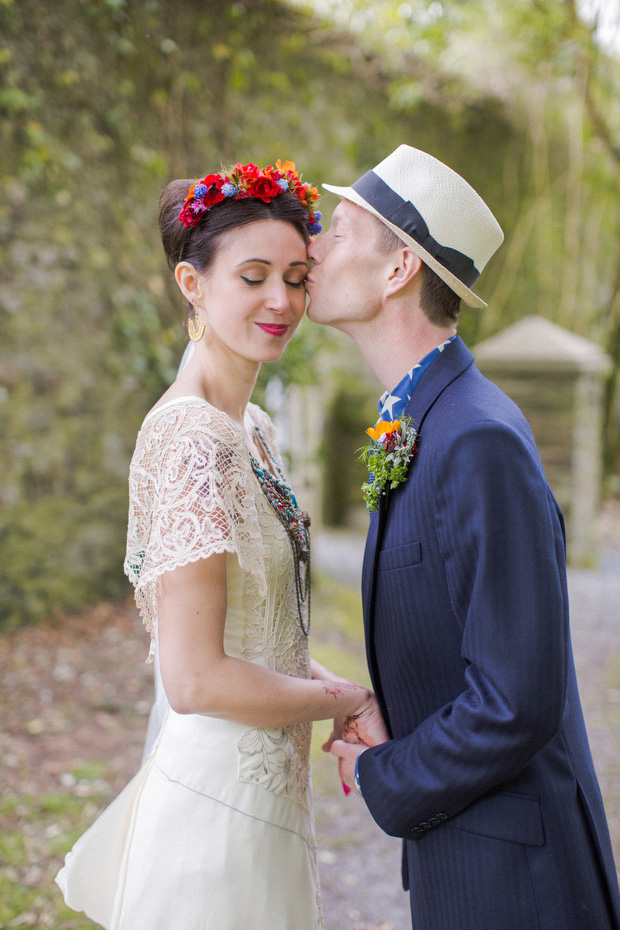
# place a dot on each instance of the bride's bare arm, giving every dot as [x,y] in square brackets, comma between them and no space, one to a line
[200,678]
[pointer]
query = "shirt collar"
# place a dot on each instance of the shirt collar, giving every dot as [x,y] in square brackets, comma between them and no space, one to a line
[392,404]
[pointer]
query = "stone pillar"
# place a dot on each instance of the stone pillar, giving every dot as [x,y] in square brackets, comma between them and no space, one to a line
[298,415]
[555,377]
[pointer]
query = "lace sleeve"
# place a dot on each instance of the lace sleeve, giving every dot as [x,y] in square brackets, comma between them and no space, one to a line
[190,496]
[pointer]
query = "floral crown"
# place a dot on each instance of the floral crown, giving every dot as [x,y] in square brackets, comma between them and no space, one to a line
[245,181]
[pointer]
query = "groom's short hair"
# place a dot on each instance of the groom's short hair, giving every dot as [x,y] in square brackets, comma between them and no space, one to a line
[439,302]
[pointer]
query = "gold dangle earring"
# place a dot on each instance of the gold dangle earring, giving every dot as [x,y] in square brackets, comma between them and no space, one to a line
[195,330]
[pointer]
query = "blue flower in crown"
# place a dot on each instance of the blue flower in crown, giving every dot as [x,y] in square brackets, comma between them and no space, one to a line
[314,226]
[229,190]
[283,184]
[200,190]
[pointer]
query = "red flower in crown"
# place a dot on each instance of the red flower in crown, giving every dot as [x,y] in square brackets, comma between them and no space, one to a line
[264,189]
[213,196]
[201,197]
[243,181]
[247,171]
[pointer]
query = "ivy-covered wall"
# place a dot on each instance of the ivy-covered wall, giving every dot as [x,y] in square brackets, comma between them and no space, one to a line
[102,102]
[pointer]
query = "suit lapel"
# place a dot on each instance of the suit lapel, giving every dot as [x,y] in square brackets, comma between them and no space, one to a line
[445,368]
[369,576]
[452,362]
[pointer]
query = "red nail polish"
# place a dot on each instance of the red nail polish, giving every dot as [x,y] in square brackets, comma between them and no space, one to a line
[346,789]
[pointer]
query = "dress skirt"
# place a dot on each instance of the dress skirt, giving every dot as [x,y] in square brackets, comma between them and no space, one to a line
[207,836]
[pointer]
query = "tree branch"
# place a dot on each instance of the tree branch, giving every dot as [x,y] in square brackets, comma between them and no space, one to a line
[601,128]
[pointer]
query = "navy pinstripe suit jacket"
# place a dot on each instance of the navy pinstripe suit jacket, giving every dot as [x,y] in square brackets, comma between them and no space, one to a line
[488,777]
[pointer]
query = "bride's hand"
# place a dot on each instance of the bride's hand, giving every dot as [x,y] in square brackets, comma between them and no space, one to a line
[336,733]
[366,726]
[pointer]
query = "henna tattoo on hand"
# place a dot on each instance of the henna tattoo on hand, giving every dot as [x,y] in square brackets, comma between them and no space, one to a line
[356,732]
[340,687]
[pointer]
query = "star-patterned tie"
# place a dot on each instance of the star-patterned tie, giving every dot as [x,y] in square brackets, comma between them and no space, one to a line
[392,405]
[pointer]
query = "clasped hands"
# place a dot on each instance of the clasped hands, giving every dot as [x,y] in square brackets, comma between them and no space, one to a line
[351,735]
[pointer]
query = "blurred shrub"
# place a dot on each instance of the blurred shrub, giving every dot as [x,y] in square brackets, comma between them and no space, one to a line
[101,104]
[351,412]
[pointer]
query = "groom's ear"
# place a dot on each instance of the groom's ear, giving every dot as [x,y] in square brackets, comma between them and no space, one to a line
[403,270]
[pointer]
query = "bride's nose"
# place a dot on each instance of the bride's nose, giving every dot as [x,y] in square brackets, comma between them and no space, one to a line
[278,299]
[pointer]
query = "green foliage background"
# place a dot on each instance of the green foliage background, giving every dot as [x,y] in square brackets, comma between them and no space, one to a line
[102,102]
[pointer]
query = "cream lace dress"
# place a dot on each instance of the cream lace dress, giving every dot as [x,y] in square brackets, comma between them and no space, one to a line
[215,832]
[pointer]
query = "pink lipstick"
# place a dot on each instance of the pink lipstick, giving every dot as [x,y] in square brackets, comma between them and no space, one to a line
[274,329]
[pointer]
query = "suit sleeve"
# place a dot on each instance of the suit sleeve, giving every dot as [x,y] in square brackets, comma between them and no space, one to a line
[503,552]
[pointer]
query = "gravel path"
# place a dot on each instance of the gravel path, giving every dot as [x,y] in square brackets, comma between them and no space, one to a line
[74,696]
[360,866]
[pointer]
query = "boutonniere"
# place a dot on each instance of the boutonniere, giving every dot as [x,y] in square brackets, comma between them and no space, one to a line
[388,457]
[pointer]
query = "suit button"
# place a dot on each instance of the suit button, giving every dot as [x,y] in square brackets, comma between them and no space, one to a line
[434,821]
[441,816]
[425,825]
[417,830]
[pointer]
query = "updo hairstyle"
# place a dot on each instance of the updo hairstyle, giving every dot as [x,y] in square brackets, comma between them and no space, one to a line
[201,243]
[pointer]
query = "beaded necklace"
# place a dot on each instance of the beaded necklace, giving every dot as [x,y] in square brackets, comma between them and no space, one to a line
[295,521]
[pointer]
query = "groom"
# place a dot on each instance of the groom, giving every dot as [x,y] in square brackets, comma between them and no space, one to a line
[488,776]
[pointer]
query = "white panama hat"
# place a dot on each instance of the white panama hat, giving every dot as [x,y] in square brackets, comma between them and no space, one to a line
[434,211]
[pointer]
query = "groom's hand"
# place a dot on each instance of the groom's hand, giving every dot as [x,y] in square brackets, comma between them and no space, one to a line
[347,754]
[366,726]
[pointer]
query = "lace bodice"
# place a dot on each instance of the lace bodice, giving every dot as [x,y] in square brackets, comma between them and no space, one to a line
[192,493]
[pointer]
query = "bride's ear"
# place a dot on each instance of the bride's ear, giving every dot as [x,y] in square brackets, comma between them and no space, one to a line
[188,280]
[403,271]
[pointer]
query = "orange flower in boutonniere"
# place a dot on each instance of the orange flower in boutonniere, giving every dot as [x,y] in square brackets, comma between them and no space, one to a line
[383,427]
[388,456]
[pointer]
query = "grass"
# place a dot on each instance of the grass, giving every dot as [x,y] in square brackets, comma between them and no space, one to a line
[36,832]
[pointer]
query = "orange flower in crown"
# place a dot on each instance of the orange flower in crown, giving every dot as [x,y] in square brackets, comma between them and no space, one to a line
[286,166]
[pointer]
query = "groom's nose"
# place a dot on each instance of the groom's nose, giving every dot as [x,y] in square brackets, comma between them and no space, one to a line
[313,252]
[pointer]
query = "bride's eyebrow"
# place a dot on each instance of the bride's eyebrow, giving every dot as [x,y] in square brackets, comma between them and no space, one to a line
[264,261]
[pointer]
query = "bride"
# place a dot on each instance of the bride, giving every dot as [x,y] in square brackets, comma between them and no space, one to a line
[215,832]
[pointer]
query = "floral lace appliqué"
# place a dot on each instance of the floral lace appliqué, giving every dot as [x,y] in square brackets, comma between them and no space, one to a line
[272,759]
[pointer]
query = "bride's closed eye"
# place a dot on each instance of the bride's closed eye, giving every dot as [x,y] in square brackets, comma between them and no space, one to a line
[254,282]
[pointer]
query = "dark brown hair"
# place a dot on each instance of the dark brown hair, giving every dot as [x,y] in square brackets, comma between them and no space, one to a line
[200,244]
[439,302]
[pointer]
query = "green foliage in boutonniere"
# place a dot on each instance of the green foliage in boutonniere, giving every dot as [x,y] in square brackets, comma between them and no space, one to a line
[387,456]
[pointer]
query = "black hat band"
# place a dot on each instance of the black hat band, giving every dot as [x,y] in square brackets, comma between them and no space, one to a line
[403,214]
